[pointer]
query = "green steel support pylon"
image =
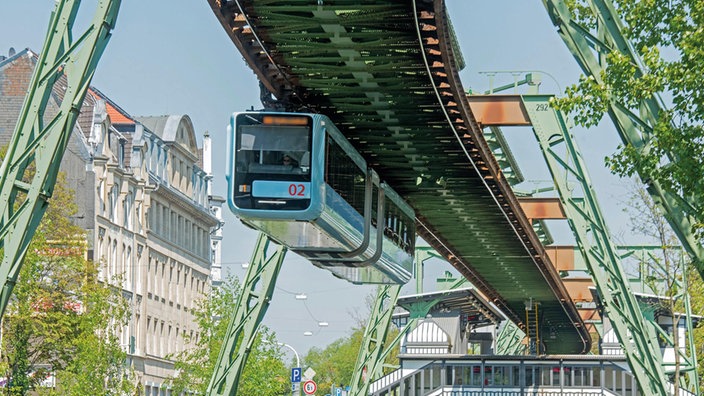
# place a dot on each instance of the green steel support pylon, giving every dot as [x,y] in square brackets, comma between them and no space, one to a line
[636,335]
[509,341]
[40,145]
[590,46]
[418,311]
[252,304]
[369,364]
[422,254]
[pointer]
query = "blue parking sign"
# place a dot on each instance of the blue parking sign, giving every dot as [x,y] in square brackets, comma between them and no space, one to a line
[338,391]
[296,374]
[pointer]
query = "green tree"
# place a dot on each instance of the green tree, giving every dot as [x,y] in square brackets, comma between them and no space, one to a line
[696,290]
[663,272]
[669,37]
[61,320]
[265,372]
[334,364]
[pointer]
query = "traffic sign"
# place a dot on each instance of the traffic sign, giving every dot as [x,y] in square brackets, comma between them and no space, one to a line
[296,374]
[338,391]
[309,373]
[309,387]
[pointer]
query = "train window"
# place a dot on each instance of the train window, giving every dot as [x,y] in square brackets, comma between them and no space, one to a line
[399,227]
[344,176]
[272,162]
[273,149]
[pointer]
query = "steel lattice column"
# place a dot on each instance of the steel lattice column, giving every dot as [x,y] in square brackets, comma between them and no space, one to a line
[369,363]
[590,48]
[636,335]
[252,304]
[25,194]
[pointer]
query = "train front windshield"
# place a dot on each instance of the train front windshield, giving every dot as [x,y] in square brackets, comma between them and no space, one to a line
[272,157]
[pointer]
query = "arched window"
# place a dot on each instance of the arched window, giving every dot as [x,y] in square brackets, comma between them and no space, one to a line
[114,198]
[113,261]
[108,259]
[128,267]
[122,265]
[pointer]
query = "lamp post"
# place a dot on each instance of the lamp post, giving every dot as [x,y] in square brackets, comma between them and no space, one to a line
[295,386]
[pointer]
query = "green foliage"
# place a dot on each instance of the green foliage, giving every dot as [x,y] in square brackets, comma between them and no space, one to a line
[696,291]
[335,363]
[668,36]
[663,272]
[61,320]
[264,374]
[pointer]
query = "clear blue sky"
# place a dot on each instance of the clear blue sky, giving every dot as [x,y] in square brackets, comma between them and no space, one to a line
[173,57]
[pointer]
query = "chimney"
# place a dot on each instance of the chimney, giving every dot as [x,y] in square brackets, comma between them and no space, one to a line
[208,159]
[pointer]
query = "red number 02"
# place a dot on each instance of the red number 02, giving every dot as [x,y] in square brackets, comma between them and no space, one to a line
[296,190]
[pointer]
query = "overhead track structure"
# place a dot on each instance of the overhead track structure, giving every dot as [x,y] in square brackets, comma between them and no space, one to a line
[386,72]
[30,167]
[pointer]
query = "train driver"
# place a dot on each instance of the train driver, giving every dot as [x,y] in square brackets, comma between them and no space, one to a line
[288,159]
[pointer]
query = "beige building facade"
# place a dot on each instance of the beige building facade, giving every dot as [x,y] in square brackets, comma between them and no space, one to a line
[143,193]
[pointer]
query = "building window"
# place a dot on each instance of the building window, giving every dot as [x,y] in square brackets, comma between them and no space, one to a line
[129,267]
[138,271]
[140,219]
[101,196]
[127,209]
[113,261]
[121,153]
[121,266]
[174,176]
[114,198]
[148,347]
[137,327]
[149,277]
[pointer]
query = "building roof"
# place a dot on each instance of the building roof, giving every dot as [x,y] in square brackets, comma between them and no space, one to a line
[167,128]
[117,115]
[467,301]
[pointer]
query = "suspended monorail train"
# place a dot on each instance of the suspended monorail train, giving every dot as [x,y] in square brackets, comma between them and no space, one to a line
[296,178]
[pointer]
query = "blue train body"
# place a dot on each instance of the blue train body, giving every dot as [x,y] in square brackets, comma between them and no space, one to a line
[296,178]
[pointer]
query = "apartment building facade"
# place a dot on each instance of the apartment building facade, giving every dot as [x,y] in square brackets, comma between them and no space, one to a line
[142,188]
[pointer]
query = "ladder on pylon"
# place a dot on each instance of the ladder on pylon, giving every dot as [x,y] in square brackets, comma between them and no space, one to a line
[532,327]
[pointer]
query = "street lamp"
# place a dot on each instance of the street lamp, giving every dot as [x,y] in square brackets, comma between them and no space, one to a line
[295,386]
[298,361]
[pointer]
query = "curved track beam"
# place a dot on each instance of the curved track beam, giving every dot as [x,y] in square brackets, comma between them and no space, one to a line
[385,72]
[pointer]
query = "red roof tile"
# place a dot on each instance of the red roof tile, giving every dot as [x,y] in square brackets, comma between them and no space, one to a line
[117,115]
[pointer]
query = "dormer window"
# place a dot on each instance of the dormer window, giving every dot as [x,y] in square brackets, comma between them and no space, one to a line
[122,142]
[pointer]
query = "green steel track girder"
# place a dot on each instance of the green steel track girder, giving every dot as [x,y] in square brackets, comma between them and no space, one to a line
[636,335]
[369,363]
[590,47]
[252,304]
[413,126]
[38,143]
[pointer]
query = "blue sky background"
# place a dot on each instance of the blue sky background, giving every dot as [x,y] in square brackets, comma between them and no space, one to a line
[173,57]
